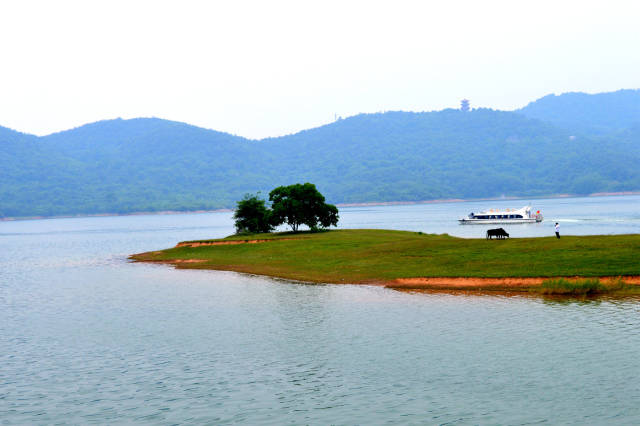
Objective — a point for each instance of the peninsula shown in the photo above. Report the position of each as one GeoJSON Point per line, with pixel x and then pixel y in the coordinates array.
{"type": "Point", "coordinates": [413, 260]}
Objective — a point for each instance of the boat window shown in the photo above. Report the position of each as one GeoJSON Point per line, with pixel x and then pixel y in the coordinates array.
{"type": "Point", "coordinates": [518, 216]}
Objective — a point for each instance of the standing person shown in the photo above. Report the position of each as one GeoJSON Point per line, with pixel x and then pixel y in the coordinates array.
{"type": "Point", "coordinates": [557, 230]}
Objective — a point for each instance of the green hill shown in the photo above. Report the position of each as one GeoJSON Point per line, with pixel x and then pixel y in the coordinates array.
{"type": "Point", "coordinates": [483, 153]}
{"type": "Point", "coordinates": [149, 164]}
{"type": "Point", "coordinates": [583, 113]}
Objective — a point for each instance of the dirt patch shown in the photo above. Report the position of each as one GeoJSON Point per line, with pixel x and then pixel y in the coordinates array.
{"type": "Point", "coordinates": [470, 283]}
{"type": "Point", "coordinates": [230, 242]}
{"type": "Point", "coordinates": [175, 262]}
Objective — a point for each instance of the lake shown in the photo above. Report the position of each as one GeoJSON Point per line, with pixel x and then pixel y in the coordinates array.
{"type": "Point", "coordinates": [87, 337]}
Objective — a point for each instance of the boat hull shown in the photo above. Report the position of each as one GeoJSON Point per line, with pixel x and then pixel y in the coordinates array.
{"type": "Point", "coordinates": [496, 221]}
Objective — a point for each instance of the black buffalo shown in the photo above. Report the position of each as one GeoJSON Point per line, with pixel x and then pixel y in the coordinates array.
{"type": "Point", "coordinates": [499, 233]}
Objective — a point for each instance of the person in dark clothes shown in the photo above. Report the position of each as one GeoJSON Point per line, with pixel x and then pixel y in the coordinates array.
{"type": "Point", "coordinates": [557, 230]}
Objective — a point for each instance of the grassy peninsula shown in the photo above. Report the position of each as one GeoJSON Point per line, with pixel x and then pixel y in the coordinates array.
{"type": "Point", "coordinates": [401, 259]}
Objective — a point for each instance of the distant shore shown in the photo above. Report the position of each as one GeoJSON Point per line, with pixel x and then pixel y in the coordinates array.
{"type": "Point", "coordinates": [162, 212]}
{"type": "Point", "coordinates": [466, 200]}
{"type": "Point", "coordinates": [363, 204]}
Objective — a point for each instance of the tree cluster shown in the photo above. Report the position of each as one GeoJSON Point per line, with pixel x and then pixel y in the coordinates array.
{"type": "Point", "coordinates": [295, 205]}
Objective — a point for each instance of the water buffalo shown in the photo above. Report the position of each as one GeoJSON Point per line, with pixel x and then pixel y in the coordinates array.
{"type": "Point", "coordinates": [499, 233]}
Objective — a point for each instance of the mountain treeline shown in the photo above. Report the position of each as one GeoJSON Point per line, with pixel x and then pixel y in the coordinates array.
{"type": "Point", "coordinates": [149, 164]}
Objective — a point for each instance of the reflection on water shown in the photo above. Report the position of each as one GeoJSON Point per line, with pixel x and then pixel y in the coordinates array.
{"type": "Point", "coordinates": [545, 298]}
{"type": "Point", "coordinates": [87, 337]}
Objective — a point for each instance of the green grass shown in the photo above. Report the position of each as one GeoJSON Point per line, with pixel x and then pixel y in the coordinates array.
{"type": "Point", "coordinates": [583, 287]}
{"type": "Point", "coordinates": [586, 287]}
{"type": "Point", "coordinates": [361, 255]}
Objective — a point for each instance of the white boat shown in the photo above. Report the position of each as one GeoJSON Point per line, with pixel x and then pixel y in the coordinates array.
{"type": "Point", "coordinates": [522, 215]}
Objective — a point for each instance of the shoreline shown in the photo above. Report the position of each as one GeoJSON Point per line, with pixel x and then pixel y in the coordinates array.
{"type": "Point", "coordinates": [78, 216]}
{"type": "Point", "coordinates": [475, 285]}
{"type": "Point", "coordinates": [492, 284]}
{"type": "Point", "coordinates": [363, 204]}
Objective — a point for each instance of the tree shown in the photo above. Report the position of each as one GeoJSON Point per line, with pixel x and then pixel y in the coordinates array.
{"type": "Point", "coordinates": [301, 204]}
{"type": "Point", "coordinates": [252, 215]}
{"type": "Point", "coordinates": [328, 216]}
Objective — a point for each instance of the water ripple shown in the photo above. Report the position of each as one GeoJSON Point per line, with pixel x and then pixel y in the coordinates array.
{"type": "Point", "coordinates": [87, 337]}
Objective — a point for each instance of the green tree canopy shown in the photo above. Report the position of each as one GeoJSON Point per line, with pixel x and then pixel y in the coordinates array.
{"type": "Point", "coordinates": [252, 215]}
{"type": "Point", "coordinates": [301, 204]}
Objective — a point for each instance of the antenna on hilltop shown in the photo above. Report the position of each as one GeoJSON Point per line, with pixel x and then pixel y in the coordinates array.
{"type": "Point", "coordinates": [464, 105]}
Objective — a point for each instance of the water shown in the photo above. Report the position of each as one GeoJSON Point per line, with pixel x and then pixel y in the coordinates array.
{"type": "Point", "coordinates": [86, 337]}
{"type": "Point", "coordinates": [576, 216]}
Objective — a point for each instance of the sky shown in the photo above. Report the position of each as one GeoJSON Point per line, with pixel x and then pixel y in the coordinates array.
{"type": "Point", "coordinates": [269, 68]}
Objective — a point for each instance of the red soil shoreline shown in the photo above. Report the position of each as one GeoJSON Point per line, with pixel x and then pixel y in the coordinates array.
{"type": "Point", "coordinates": [477, 283]}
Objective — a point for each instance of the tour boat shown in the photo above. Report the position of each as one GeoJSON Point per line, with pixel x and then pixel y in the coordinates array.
{"type": "Point", "coordinates": [522, 215]}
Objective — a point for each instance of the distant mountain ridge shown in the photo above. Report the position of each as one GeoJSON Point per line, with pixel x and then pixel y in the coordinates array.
{"type": "Point", "coordinates": [150, 164]}
{"type": "Point", "coordinates": [601, 113]}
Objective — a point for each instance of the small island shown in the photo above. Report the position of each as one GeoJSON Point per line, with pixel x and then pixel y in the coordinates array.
{"type": "Point", "coordinates": [573, 265]}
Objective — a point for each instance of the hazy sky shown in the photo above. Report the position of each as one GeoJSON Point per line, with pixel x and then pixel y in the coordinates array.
{"type": "Point", "coordinates": [266, 68]}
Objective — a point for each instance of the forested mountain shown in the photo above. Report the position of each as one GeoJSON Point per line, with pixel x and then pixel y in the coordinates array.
{"type": "Point", "coordinates": [582, 113]}
{"type": "Point", "coordinates": [121, 166]}
{"type": "Point", "coordinates": [124, 166]}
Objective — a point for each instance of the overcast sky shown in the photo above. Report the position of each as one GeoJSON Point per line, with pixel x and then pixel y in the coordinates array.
{"type": "Point", "coordinates": [267, 68]}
